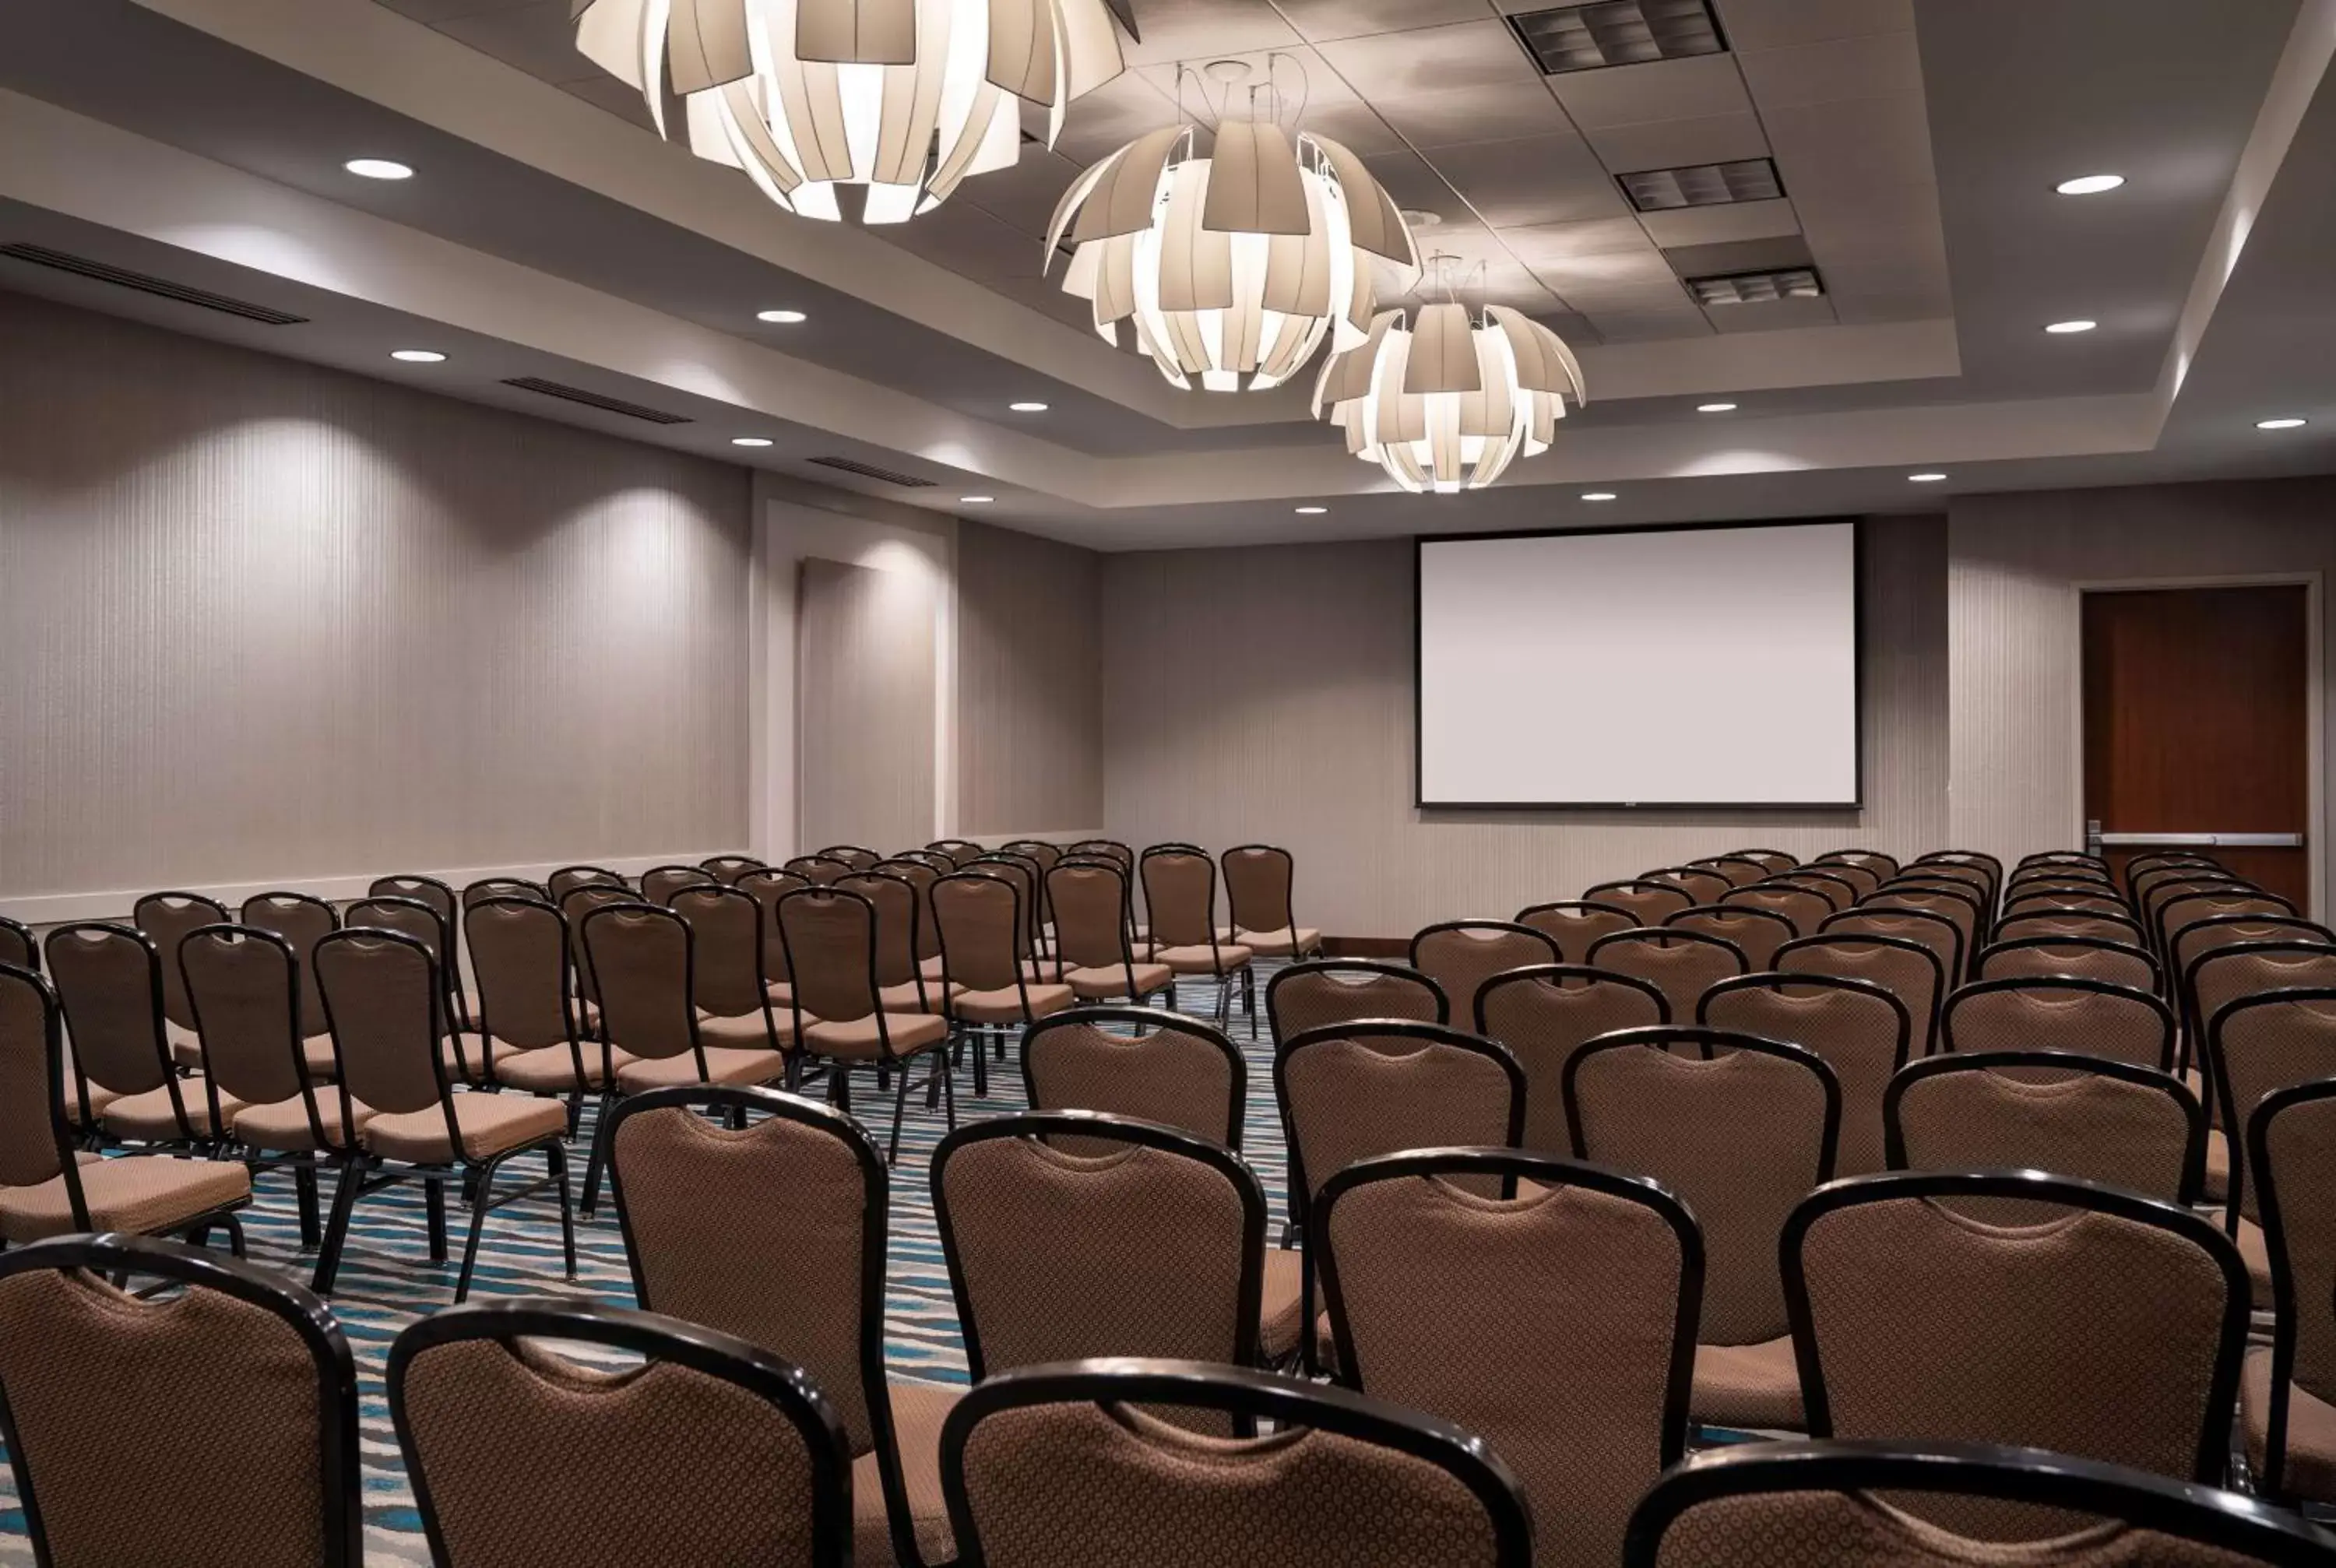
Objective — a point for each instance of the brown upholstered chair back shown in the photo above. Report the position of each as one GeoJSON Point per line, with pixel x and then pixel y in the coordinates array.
{"type": "Point", "coordinates": [109, 981]}
{"type": "Point", "coordinates": [2086, 957]}
{"type": "Point", "coordinates": [2090, 898]}
{"type": "Point", "coordinates": [1257, 888]}
{"type": "Point", "coordinates": [982, 931]}
{"type": "Point", "coordinates": [659, 884]}
{"type": "Point", "coordinates": [513, 888]}
{"type": "Point", "coordinates": [215, 1428]}
{"type": "Point", "coordinates": [304, 922]}
{"type": "Point", "coordinates": [1756, 933]}
{"type": "Point", "coordinates": [1907, 971]}
{"type": "Point", "coordinates": [775, 1233]}
{"type": "Point", "coordinates": [1575, 924]}
{"type": "Point", "coordinates": [960, 851]}
{"type": "Point", "coordinates": [2057, 1013]}
{"type": "Point", "coordinates": [832, 941]}
{"type": "Point", "coordinates": [1862, 1032]}
{"type": "Point", "coordinates": [1737, 869]}
{"type": "Point", "coordinates": [1942, 936]}
{"type": "Point", "coordinates": [17, 948]}
{"type": "Point", "coordinates": [858, 857]}
{"type": "Point", "coordinates": [1959, 908]}
{"type": "Point", "coordinates": [2291, 1143]}
{"type": "Point", "coordinates": [705, 1451]}
{"type": "Point", "coordinates": [568, 879]}
{"type": "Point", "coordinates": [1701, 885]}
{"type": "Point", "coordinates": [1739, 1137]}
{"type": "Point", "coordinates": [1067, 1466]}
{"type": "Point", "coordinates": [767, 887]}
{"type": "Point", "coordinates": [244, 985]}
{"type": "Point", "coordinates": [1877, 864]}
{"type": "Point", "coordinates": [1649, 903]}
{"type": "Point", "coordinates": [1325, 991]}
{"type": "Point", "coordinates": [2189, 947]}
{"type": "Point", "coordinates": [638, 956]}
{"type": "Point", "coordinates": [1770, 861]}
{"type": "Point", "coordinates": [408, 918]}
{"type": "Point", "coordinates": [1861, 877]}
{"type": "Point", "coordinates": [725, 948]}
{"type": "Point", "coordinates": [727, 868]}
{"type": "Point", "coordinates": [1143, 1241]}
{"type": "Point", "coordinates": [2099, 925]}
{"type": "Point", "coordinates": [1038, 850]}
{"type": "Point", "coordinates": [2221, 976]}
{"type": "Point", "coordinates": [1835, 887]}
{"type": "Point", "coordinates": [1179, 896]}
{"type": "Point", "coordinates": [920, 874]}
{"type": "Point", "coordinates": [521, 961]}
{"type": "Point", "coordinates": [819, 871]}
{"type": "Point", "coordinates": [2077, 1116]}
{"type": "Point", "coordinates": [894, 900]}
{"type": "Point", "coordinates": [1607, 1268]}
{"type": "Point", "coordinates": [574, 905]}
{"type": "Point", "coordinates": [1089, 898]}
{"type": "Point", "coordinates": [382, 1000]}
{"type": "Point", "coordinates": [1404, 1085]}
{"type": "Point", "coordinates": [33, 1135]}
{"type": "Point", "coordinates": [2262, 1044]}
{"type": "Point", "coordinates": [1460, 956]}
{"type": "Point", "coordinates": [1023, 876]}
{"type": "Point", "coordinates": [166, 919]}
{"type": "Point", "coordinates": [1682, 964]}
{"type": "Point", "coordinates": [1803, 908]}
{"type": "Point", "coordinates": [1546, 1013]}
{"type": "Point", "coordinates": [1136, 1062]}
{"type": "Point", "coordinates": [421, 890]}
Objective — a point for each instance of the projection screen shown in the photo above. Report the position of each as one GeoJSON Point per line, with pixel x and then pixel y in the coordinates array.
{"type": "Point", "coordinates": [1678, 667]}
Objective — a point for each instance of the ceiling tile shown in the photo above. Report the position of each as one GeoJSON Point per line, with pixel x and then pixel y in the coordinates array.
{"type": "Point", "coordinates": [1769, 314]}
{"type": "Point", "coordinates": [1717, 225]}
{"type": "Point", "coordinates": [1637, 326]}
{"type": "Point", "coordinates": [1878, 66]}
{"type": "Point", "coordinates": [1699, 88]}
{"type": "Point", "coordinates": [436, 11]}
{"type": "Point", "coordinates": [1301, 73]}
{"type": "Point", "coordinates": [1023, 196]}
{"type": "Point", "coordinates": [1411, 184]}
{"type": "Point", "coordinates": [616, 97]}
{"type": "Point", "coordinates": [1774, 24]}
{"type": "Point", "coordinates": [1740, 256]}
{"type": "Point", "coordinates": [1570, 325]}
{"type": "Point", "coordinates": [967, 240]}
{"type": "Point", "coordinates": [1319, 20]}
{"type": "Point", "coordinates": [1204, 30]}
{"type": "Point", "coordinates": [1537, 180]}
{"type": "Point", "coordinates": [1112, 116]}
{"type": "Point", "coordinates": [1497, 113]}
{"type": "Point", "coordinates": [1671, 144]}
{"type": "Point", "coordinates": [537, 39]}
{"type": "Point", "coordinates": [1560, 241]}
{"type": "Point", "coordinates": [1468, 55]}
{"type": "Point", "coordinates": [1355, 125]}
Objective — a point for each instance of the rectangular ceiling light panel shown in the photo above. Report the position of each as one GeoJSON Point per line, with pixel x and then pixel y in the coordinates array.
{"type": "Point", "coordinates": [1752, 287]}
{"type": "Point", "coordinates": [1618, 32]}
{"type": "Point", "coordinates": [1702, 185]}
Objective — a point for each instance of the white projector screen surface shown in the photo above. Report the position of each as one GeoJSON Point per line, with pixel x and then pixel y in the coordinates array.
{"type": "Point", "coordinates": [1680, 667]}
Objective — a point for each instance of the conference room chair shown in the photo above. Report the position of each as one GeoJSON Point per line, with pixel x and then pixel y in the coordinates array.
{"type": "Point", "coordinates": [1877, 864]}
{"type": "Point", "coordinates": [2146, 872]}
{"type": "Point", "coordinates": [1836, 887]}
{"type": "Point", "coordinates": [1258, 884]}
{"type": "Point", "coordinates": [521, 888]}
{"type": "Point", "coordinates": [1546, 1012]}
{"type": "Point", "coordinates": [2287, 1393]}
{"type": "Point", "coordinates": [1958, 904]}
{"type": "Point", "coordinates": [381, 994]}
{"type": "Point", "coordinates": [1824, 1504]}
{"type": "Point", "coordinates": [2176, 915]}
{"type": "Point", "coordinates": [833, 951]}
{"type": "Point", "coordinates": [49, 1186]}
{"type": "Point", "coordinates": [1682, 964]}
{"type": "Point", "coordinates": [128, 1089]}
{"type": "Point", "coordinates": [857, 856]}
{"type": "Point", "coordinates": [1756, 933]}
{"type": "Point", "coordinates": [2233, 894]}
{"type": "Point", "coordinates": [1316, 992]}
{"type": "Point", "coordinates": [2083, 1117]}
{"type": "Point", "coordinates": [1350, 1091]}
{"type": "Point", "coordinates": [2090, 875]}
{"type": "Point", "coordinates": [1971, 881]}
{"type": "Point", "coordinates": [442, 899]}
{"type": "Point", "coordinates": [2223, 975]}
{"type": "Point", "coordinates": [1646, 903]}
{"type": "Point", "coordinates": [1863, 1033]}
{"type": "Point", "coordinates": [523, 959]}
{"type": "Point", "coordinates": [2150, 888]}
{"type": "Point", "coordinates": [18, 950]}
{"type": "Point", "coordinates": [986, 973]}
{"type": "Point", "coordinates": [766, 886]}
{"type": "Point", "coordinates": [2083, 957]}
{"type": "Point", "coordinates": [2091, 1320]}
{"type": "Point", "coordinates": [921, 872]}
{"type": "Point", "coordinates": [2260, 1045]}
{"type": "Point", "coordinates": [1095, 945]}
{"type": "Point", "coordinates": [1740, 1135]}
{"type": "Point", "coordinates": [1560, 1327]}
{"type": "Point", "coordinates": [958, 850]}
{"type": "Point", "coordinates": [941, 865]}
{"type": "Point", "coordinates": [1574, 923]}
{"type": "Point", "coordinates": [1038, 911]}
{"type": "Point", "coordinates": [1077, 1463]}
{"type": "Point", "coordinates": [1180, 899]}
{"type": "Point", "coordinates": [2061, 1013]}
{"type": "Point", "coordinates": [1906, 970]}
{"type": "Point", "coordinates": [2194, 941]}
{"type": "Point", "coordinates": [1804, 910]}
{"type": "Point", "coordinates": [568, 879]}
{"type": "Point", "coordinates": [776, 1233]}
{"type": "Point", "coordinates": [1862, 876]}
{"type": "Point", "coordinates": [1770, 861]}
{"type": "Point", "coordinates": [727, 868]}
{"type": "Point", "coordinates": [1460, 956]}
{"type": "Point", "coordinates": [726, 988]}
{"type": "Point", "coordinates": [1737, 869]}
{"type": "Point", "coordinates": [1962, 862]}
{"type": "Point", "coordinates": [574, 905]}
{"type": "Point", "coordinates": [819, 871]}
{"type": "Point", "coordinates": [2047, 898]}
{"type": "Point", "coordinates": [1925, 927]}
{"type": "Point", "coordinates": [1700, 885]}
{"type": "Point", "coordinates": [1134, 1062]}
{"type": "Point", "coordinates": [215, 1428]}
{"type": "Point", "coordinates": [166, 919]}
{"type": "Point", "coordinates": [659, 884]}
{"type": "Point", "coordinates": [466, 1050]}
{"type": "Point", "coordinates": [2082, 858]}
{"type": "Point", "coordinates": [900, 985]}
{"type": "Point", "coordinates": [705, 1451]}
{"type": "Point", "coordinates": [2097, 924]}
{"type": "Point", "coordinates": [303, 920]}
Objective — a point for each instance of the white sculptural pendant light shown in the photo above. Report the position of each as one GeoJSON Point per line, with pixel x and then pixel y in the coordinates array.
{"type": "Point", "coordinates": [1448, 401]}
{"type": "Point", "coordinates": [905, 97]}
{"type": "Point", "coordinates": [1232, 267]}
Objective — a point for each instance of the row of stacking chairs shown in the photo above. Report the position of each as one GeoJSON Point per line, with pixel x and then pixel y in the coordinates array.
{"type": "Point", "coordinates": [710, 1450]}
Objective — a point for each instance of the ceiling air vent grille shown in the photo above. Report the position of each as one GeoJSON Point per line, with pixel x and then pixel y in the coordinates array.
{"type": "Point", "coordinates": [1757, 288]}
{"type": "Point", "coordinates": [595, 400]}
{"type": "Point", "coordinates": [869, 470]}
{"type": "Point", "coordinates": [1618, 32]}
{"type": "Point", "coordinates": [1702, 185]}
{"type": "Point", "coordinates": [120, 277]}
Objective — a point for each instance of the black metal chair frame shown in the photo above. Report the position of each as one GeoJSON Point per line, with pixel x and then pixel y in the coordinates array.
{"type": "Point", "coordinates": [2066, 984]}
{"type": "Point", "coordinates": [1561, 973]}
{"type": "Point", "coordinates": [576, 1035]}
{"type": "Point", "coordinates": [412, 885]}
{"type": "Point", "coordinates": [1850, 985]}
{"type": "Point", "coordinates": [1025, 958]}
{"type": "Point", "coordinates": [1809, 876]}
{"type": "Point", "coordinates": [839, 1069]}
{"type": "Point", "coordinates": [1996, 937]}
{"type": "Point", "coordinates": [1635, 885]}
{"type": "Point", "coordinates": [2219, 1080]}
{"type": "Point", "coordinates": [1662, 1036]}
{"type": "Point", "coordinates": [1224, 977]}
{"type": "Point", "coordinates": [1572, 905]}
{"type": "Point", "coordinates": [1752, 913]}
{"type": "Point", "coordinates": [2094, 944]}
{"type": "Point", "coordinates": [1947, 980]}
{"type": "Point", "coordinates": [2284, 1305]}
{"type": "Point", "coordinates": [1893, 944]}
{"type": "Point", "coordinates": [1467, 1005]}
{"type": "Point", "coordinates": [581, 876]}
{"type": "Point", "coordinates": [727, 868]}
{"type": "Point", "coordinates": [850, 854]}
{"type": "Point", "coordinates": [19, 937]}
{"type": "Point", "coordinates": [1383, 968]}
{"type": "Point", "coordinates": [93, 1135]}
{"type": "Point", "coordinates": [1073, 861]}
{"type": "Point", "coordinates": [1662, 936]}
{"type": "Point", "coordinates": [521, 888]}
{"type": "Point", "coordinates": [449, 968]}
{"type": "Point", "coordinates": [1145, 1022]}
{"type": "Point", "coordinates": [1857, 857]}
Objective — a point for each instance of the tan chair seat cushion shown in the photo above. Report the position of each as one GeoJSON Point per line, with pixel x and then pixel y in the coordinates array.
{"type": "Point", "coordinates": [552, 1069]}
{"type": "Point", "coordinates": [98, 1100]}
{"type": "Point", "coordinates": [918, 1411]}
{"type": "Point", "coordinates": [2309, 1470]}
{"type": "Point", "coordinates": [489, 1123]}
{"type": "Point", "coordinates": [906, 998]}
{"type": "Point", "coordinates": [861, 1040]}
{"type": "Point", "coordinates": [282, 1127]}
{"type": "Point", "coordinates": [1224, 959]}
{"type": "Point", "coordinates": [186, 1051]}
{"type": "Point", "coordinates": [1005, 1007]}
{"type": "Point", "coordinates": [1282, 1303]}
{"type": "Point", "coordinates": [932, 968]}
{"type": "Point", "coordinates": [463, 1058]}
{"type": "Point", "coordinates": [2219, 1166]}
{"type": "Point", "coordinates": [137, 1193]}
{"type": "Point", "coordinates": [783, 993]}
{"type": "Point", "coordinates": [746, 1032]}
{"type": "Point", "coordinates": [148, 1117]}
{"type": "Point", "coordinates": [2254, 1247]}
{"type": "Point", "coordinates": [186, 1046]}
{"type": "Point", "coordinates": [723, 1064]}
{"type": "Point", "coordinates": [1276, 944]}
{"type": "Point", "coordinates": [1755, 1386]}
{"type": "Point", "coordinates": [1111, 981]}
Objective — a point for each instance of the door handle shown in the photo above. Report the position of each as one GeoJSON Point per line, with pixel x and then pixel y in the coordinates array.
{"type": "Point", "coordinates": [2202, 841]}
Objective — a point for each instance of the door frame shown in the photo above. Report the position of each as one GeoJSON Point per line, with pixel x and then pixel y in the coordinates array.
{"type": "Point", "coordinates": [2316, 843]}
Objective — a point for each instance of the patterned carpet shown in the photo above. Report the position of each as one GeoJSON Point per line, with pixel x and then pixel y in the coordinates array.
{"type": "Point", "coordinates": [387, 1281]}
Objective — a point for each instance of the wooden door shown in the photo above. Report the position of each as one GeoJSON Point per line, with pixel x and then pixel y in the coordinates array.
{"type": "Point", "coordinates": [2197, 721]}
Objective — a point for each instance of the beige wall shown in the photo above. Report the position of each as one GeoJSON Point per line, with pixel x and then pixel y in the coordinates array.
{"type": "Point", "coordinates": [864, 704]}
{"type": "Point", "coordinates": [265, 623]}
{"type": "Point", "coordinates": [1266, 695]}
{"type": "Point", "coordinates": [1029, 685]}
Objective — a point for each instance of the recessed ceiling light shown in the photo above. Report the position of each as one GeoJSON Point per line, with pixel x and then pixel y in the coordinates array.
{"type": "Point", "coordinates": [1714, 408]}
{"type": "Point", "coordinates": [1027, 407]}
{"type": "Point", "coordinates": [1925, 478]}
{"type": "Point", "coordinates": [418, 355]}
{"type": "Point", "coordinates": [378, 168]}
{"type": "Point", "coordinates": [781, 317]}
{"type": "Point", "coordinates": [974, 499]}
{"type": "Point", "coordinates": [1312, 510]}
{"type": "Point", "coordinates": [2289, 422]}
{"type": "Point", "coordinates": [750, 441]}
{"type": "Point", "coordinates": [2089, 184]}
{"type": "Point", "coordinates": [2063, 329]}
{"type": "Point", "coordinates": [1597, 495]}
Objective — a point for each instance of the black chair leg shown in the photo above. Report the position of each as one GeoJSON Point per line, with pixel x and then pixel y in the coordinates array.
{"type": "Point", "coordinates": [304, 1188]}
{"type": "Point", "coordinates": [949, 1087]}
{"type": "Point", "coordinates": [900, 1109]}
{"type": "Point", "coordinates": [336, 1228]}
{"type": "Point", "coordinates": [556, 1157]}
{"type": "Point", "coordinates": [482, 1198]}
{"type": "Point", "coordinates": [434, 1201]}
{"type": "Point", "coordinates": [234, 1228]}
{"type": "Point", "coordinates": [597, 1160]}
{"type": "Point", "coordinates": [980, 1063]}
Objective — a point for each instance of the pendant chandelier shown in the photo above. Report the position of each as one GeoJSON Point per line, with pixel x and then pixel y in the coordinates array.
{"type": "Point", "coordinates": [905, 97]}
{"type": "Point", "coordinates": [1448, 401]}
{"type": "Point", "coordinates": [1232, 266]}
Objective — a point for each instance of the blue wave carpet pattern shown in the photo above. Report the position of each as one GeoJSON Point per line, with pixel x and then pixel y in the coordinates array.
{"type": "Point", "coordinates": [387, 1281]}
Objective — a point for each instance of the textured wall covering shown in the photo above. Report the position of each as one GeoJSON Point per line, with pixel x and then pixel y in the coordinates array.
{"type": "Point", "coordinates": [263, 621]}
{"type": "Point", "coordinates": [864, 704]}
{"type": "Point", "coordinates": [2014, 625]}
{"type": "Point", "coordinates": [1029, 684]}
{"type": "Point", "coordinates": [1266, 695]}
